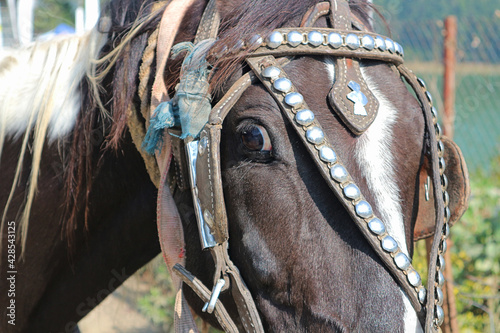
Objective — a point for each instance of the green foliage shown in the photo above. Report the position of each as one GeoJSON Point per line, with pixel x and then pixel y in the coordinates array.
{"type": "Point", "coordinates": [476, 256]}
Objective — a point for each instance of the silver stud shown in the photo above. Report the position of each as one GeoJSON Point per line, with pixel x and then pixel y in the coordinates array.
{"type": "Point", "coordinates": [444, 182]}
{"type": "Point", "coordinates": [439, 315]}
{"type": "Point", "coordinates": [380, 43]}
{"type": "Point", "coordinates": [414, 278]}
{"type": "Point", "coordinates": [338, 173]}
{"type": "Point", "coordinates": [376, 226]}
{"type": "Point", "coordinates": [422, 83]}
{"type": "Point", "coordinates": [304, 117]}
{"type": "Point", "coordinates": [283, 84]}
{"type": "Point", "coordinates": [446, 231]}
{"type": "Point", "coordinates": [255, 41]}
{"type": "Point", "coordinates": [315, 38]}
{"type": "Point", "coordinates": [397, 48]}
{"type": "Point", "coordinates": [439, 296]}
{"type": "Point", "coordinates": [440, 278]}
{"type": "Point", "coordinates": [271, 72]}
{"type": "Point", "coordinates": [422, 294]}
{"type": "Point", "coordinates": [240, 44]}
{"type": "Point", "coordinates": [441, 263]}
{"type": "Point", "coordinates": [294, 38]}
{"type": "Point", "coordinates": [352, 191]}
{"type": "Point", "coordinates": [442, 165]}
{"type": "Point", "coordinates": [434, 114]}
{"type": "Point", "coordinates": [401, 260]}
{"type": "Point", "coordinates": [444, 246]}
{"type": "Point", "coordinates": [447, 215]}
{"type": "Point", "coordinates": [326, 154]}
{"type": "Point", "coordinates": [275, 39]}
{"type": "Point", "coordinates": [429, 96]}
{"type": "Point", "coordinates": [389, 244]}
{"type": "Point", "coordinates": [439, 131]}
{"type": "Point", "coordinates": [446, 198]}
{"type": "Point", "coordinates": [315, 135]}
{"type": "Point", "coordinates": [335, 40]}
{"type": "Point", "coordinates": [294, 99]}
{"type": "Point", "coordinates": [389, 44]}
{"type": "Point", "coordinates": [352, 41]}
{"type": "Point", "coordinates": [368, 42]}
{"type": "Point", "coordinates": [440, 148]}
{"type": "Point", "coordinates": [363, 209]}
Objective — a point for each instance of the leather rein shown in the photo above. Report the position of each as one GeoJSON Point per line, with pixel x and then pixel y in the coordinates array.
{"type": "Point", "coordinates": [198, 158]}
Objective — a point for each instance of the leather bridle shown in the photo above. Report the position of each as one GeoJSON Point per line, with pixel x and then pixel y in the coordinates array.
{"type": "Point", "coordinates": [348, 41]}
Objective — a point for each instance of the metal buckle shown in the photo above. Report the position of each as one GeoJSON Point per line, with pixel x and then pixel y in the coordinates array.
{"type": "Point", "coordinates": [210, 305]}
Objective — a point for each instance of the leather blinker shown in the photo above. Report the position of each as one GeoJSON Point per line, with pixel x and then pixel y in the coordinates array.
{"type": "Point", "coordinates": [458, 190]}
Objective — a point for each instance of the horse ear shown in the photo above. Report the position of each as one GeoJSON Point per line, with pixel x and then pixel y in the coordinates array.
{"type": "Point", "coordinates": [458, 190]}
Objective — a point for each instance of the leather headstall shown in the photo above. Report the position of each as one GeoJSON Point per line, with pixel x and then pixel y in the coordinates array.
{"type": "Point", "coordinates": [444, 174]}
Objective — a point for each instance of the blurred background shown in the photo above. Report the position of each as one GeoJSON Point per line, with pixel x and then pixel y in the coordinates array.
{"type": "Point", "coordinates": [419, 26]}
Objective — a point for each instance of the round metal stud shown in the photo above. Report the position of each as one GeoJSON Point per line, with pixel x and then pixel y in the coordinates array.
{"type": "Point", "coordinates": [389, 44]}
{"type": "Point", "coordinates": [442, 165]}
{"type": "Point", "coordinates": [446, 198]}
{"type": "Point", "coordinates": [304, 117]}
{"type": "Point", "coordinates": [315, 38]}
{"type": "Point", "coordinates": [315, 135]}
{"type": "Point", "coordinates": [352, 41]}
{"type": "Point", "coordinates": [389, 244]}
{"type": "Point", "coordinates": [439, 313]}
{"type": "Point", "coordinates": [439, 296]}
{"type": "Point", "coordinates": [376, 226]}
{"type": "Point", "coordinates": [335, 40]}
{"type": "Point", "coordinates": [352, 191]}
{"type": "Point", "coordinates": [402, 261]}
{"type": "Point", "coordinates": [439, 131]}
{"type": "Point", "coordinates": [327, 154]}
{"type": "Point", "coordinates": [446, 231]}
{"type": "Point", "coordinates": [440, 148]}
{"type": "Point", "coordinates": [368, 42]}
{"type": "Point", "coordinates": [294, 99]}
{"type": "Point", "coordinates": [380, 43]}
{"type": "Point", "coordinates": [338, 173]}
{"type": "Point", "coordinates": [414, 278]}
{"type": "Point", "coordinates": [444, 246]}
{"type": "Point", "coordinates": [294, 38]}
{"type": "Point", "coordinates": [240, 44]}
{"type": "Point", "coordinates": [429, 96]}
{"type": "Point", "coordinates": [444, 182]}
{"type": "Point", "coordinates": [422, 294]}
{"type": "Point", "coordinates": [440, 279]}
{"type": "Point", "coordinates": [363, 209]}
{"type": "Point", "coordinates": [271, 72]}
{"type": "Point", "coordinates": [282, 84]}
{"type": "Point", "coordinates": [421, 82]}
{"type": "Point", "coordinates": [398, 48]}
{"type": "Point", "coordinates": [447, 215]}
{"type": "Point", "coordinates": [274, 40]}
{"type": "Point", "coordinates": [255, 41]}
{"type": "Point", "coordinates": [441, 263]}
{"type": "Point", "coordinates": [434, 114]}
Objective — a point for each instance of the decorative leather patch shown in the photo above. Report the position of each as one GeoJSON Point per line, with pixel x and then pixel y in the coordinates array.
{"type": "Point", "coordinates": [351, 98]}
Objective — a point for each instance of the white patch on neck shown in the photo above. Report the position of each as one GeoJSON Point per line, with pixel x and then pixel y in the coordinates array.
{"type": "Point", "coordinates": [44, 78]}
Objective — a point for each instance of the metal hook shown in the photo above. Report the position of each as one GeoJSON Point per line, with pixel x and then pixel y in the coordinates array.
{"type": "Point", "coordinates": [210, 305]}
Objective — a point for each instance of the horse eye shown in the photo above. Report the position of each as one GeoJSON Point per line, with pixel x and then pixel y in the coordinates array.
{"type": "Point", "coordinates": [255, 138]}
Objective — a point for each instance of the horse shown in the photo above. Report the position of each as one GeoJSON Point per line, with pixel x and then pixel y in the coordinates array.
{"type": "Point", "coordinates": [294, 186]}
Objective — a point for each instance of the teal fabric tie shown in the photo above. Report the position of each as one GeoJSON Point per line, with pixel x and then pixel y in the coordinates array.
{"type": "Point", "coordinates": [190, 108]}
